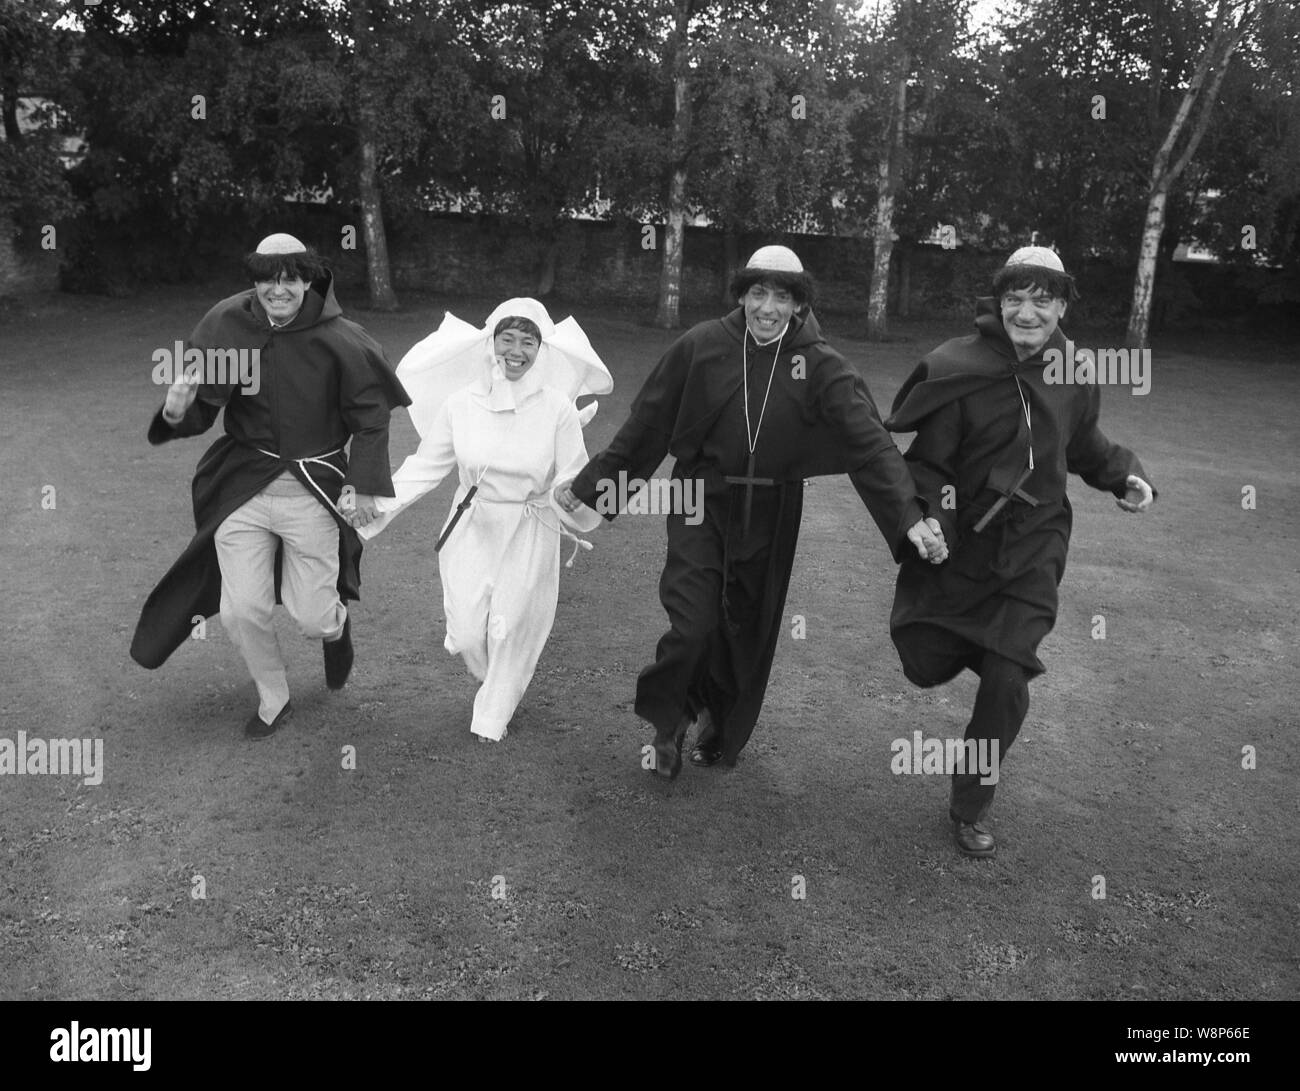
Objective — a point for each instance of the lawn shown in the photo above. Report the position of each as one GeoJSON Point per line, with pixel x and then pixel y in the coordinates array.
{"type": "Point", "coordinates": [553, 865]}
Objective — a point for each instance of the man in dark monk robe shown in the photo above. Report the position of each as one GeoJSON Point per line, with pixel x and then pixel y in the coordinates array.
{"type": "Point", "coordinates": [996, 436]}
{"type": "Point", "coordinates": [272, 514]}
{"type": "Point", "coordinates": [749, 406]}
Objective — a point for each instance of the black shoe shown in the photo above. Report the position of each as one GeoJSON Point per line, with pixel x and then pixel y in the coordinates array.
{"type": "Point", "coordinates": [705, 755]}
{"type": "Point", "coordinates": [258, 728]}
{"type": "Point", "coordinates": [973, 838]}
{"type": "Point", "coordinates": [708, 743]}
{"type": "Point", "coordinates": [668, 749]}
{"type": "Point", "coordinates": [338, 657]}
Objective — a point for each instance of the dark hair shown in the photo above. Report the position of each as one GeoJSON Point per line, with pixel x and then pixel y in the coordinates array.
{"type": "Point", "coordinates": [306, 264]}
{"type": "Point", "coordinates": [1015, 278]}
{"type": "Point", "coordinates": [800, 285]}
{"type": "Point", "coordinates": [517, 322]}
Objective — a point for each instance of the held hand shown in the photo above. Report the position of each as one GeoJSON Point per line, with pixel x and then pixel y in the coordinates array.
{"type": "Point", "coordinates": [1138, 497]}
{"type": "Point", "coordinates": [927, 536]}
{"type": "Point", "coordinates": [180, 396]}
{"type": "Point", "coordinates": [359, 510]}
{"type": "Point", "coordinates": [564, 497]}
{"type": "Point", "coordinates": [935, 526]}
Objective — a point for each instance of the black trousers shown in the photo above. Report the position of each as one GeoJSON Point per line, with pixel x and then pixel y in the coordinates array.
{"type": "Point", "coordinates": [931, 656]}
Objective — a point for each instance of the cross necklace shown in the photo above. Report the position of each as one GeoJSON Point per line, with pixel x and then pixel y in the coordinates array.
{"type": "Point", "coordinates": [751, 436]}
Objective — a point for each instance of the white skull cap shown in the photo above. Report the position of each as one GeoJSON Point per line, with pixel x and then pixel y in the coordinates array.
{"type": "Point", "coordinates": [280, 243]}
{"type": "Point", "coordinates": [775, 259]}
{"type": "Point", "coordinates": [1037, 255]}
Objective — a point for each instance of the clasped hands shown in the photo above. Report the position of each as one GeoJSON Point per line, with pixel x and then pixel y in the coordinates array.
{"type": "Point", "coordinates": [356, 509]}
{"type": "Point", "coordinates": [563, 496]}
{"type": "Point", "coordinates": [927, 536]}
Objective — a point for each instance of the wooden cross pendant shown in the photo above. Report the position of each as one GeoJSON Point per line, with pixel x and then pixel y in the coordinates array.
{"type": "Point", "coordinates": [1002, 501]}
{"type": "Point", "coordinates": [749, 482]}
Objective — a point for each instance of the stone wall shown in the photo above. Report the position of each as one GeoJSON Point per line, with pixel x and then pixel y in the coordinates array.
{"type": "Point", "coordinates": [615, 264]}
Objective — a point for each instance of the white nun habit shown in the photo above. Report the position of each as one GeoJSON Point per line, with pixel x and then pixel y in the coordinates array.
{"type": "Point", "coordinates": [500, 565]}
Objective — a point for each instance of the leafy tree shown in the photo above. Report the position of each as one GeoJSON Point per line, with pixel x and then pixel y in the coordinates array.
{"type": "Point", "coordinates": [770, 140]}
{"type": "Point", "coordinates": [295, 98]}
{"type": "Point", "coordinates": [1136, 126]}
{"type": "Point", "coordinates": [33, 189]}
{"type": "Point", "coordinates": [697, 104]}
{"type": "Point", "coordinates": [543, 93]}
{"type": "Point", "coordinates": [909, 56]}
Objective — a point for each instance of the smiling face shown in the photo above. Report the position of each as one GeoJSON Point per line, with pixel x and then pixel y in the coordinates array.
{"type": "Point", "coordinates": [1030, 317]}
{"type": "Point", "coordinates": [767, 310]}
{"type": "Point", "coordinates": [516, 351]}
{"type": "Point", "coordinates": [282, 297]}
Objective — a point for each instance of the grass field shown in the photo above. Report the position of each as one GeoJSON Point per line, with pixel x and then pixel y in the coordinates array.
{"type": "Point", "coordinates": [321, 881]}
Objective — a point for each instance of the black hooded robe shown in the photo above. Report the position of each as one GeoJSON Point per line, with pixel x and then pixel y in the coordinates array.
{"type": "Point", "coordinates": [998, 591]}
{"type": "Point", "coordinates": [323, 380]}
{"type": "Point", "coordinates": [724, 590]}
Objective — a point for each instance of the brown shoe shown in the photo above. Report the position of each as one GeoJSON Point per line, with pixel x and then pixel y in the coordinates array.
{"type": "Point", "coordinates": [973, 838]}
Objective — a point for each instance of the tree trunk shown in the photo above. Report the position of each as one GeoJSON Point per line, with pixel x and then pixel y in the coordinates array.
{"type": "Point", "coordinates": [904, 281]}
{"type": "Point", "coordinates": [9, 89]}
{"type": "Point", "coordinates": [730, 263]}
{"type": "Point", "coordinates": [546, 272]}
{"type": "Point", "coordinates": [1144, 284]}
{"type": "Point", "coordinates": [890, 165]}
{"type": "Point", "coordinates": [378, 273]}
{"type": "Point", "coordinates": [1212, 66]}
{"type": "Point", "coordinates": [670, 272]}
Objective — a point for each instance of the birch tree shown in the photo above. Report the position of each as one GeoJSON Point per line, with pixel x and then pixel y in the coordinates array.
{"type": "Point", "coordinates": [379, 278]}
{"type": "Point", "coordinates": [888, 174]}
{"type": "Point", "coordinates": [921, 46]}
{"type": "Point", "coordinates": [1231, 21]}
{"type": "Point", "coordinates": [670, 271]}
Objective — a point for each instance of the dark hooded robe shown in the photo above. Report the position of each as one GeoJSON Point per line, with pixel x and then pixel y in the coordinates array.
{"type": "Point", "coordinates": [724, 588]}
{"type": "Point", "coordinates": [998, 590]}
{"type": "Point", "coordinates": [323, 381]}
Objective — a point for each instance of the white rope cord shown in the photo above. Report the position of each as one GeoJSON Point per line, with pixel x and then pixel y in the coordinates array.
{"type": "Point", "coordinates": [1024, 402]}
{"type": "Point", "coordinates": [320, 461]}
{"type": "Point", "coordinates": [538, 508]}
{"type": "Point", "coordinates": [752, 437]}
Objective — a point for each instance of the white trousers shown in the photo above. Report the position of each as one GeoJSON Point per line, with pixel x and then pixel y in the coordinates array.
{"type": "Point", "coordinates": [246, 542]}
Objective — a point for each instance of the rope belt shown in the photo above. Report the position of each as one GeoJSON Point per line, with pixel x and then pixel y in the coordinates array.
{"type": "Point", "coordinates": [538, 507]}
{"type": "Point", "coordinates": [318, 460]}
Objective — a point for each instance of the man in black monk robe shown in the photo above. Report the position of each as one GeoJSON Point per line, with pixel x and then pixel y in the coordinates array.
{"type": "Point", "coordinates": [997, 437]}
{"type": "Point", "coordinates": [749, 406]}
{"type": "Point", "coordinates": [272, 517]}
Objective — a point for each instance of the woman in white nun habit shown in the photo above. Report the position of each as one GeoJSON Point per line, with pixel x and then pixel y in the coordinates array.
{"type": "Point", "coordinates": [496, 406]}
